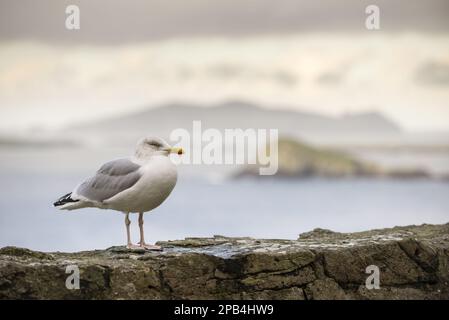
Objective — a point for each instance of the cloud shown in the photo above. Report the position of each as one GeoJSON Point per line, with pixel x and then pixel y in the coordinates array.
{"type": "Point", "coordinates": [235, 72]}
{"type": "Point", "coordinates": [320, 72]}
{"type": "Point", "coordinates": [119, 21]}
{"type": "Point", "coordinates": [433, 73]}
{"type": "Point", "coordinates": [330, 78]}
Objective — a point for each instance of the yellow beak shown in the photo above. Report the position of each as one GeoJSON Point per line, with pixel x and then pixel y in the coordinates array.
{"type": "Point", "coordinates": [177, 150]}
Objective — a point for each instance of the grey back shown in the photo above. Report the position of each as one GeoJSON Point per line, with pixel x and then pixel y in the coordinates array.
{"type": "Point", "coordinates": [112, 178]}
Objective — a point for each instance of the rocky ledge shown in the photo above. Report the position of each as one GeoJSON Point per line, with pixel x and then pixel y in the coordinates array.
{"type": "Point", "coordinates": [413, 263]}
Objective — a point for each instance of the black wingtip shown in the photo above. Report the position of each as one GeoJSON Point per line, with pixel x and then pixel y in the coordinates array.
{"type": "Point", "coordinates": [64, 199]}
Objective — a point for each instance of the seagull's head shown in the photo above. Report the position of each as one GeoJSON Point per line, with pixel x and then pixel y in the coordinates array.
{"type": "Point", "coordinates": [153, 146]}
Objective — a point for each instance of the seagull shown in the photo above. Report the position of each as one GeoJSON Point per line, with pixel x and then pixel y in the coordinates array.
{"type": "Point", "coordinates": [136, 184]}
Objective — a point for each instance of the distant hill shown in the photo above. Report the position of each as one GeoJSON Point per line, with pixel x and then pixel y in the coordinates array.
{"type": "Point", "coordinates": [354, 128]}
{"type": "Point", "coordinates": [299, 160]}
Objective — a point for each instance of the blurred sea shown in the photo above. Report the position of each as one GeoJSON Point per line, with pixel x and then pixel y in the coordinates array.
{"type": "Point", "coordinates": [200, 205]}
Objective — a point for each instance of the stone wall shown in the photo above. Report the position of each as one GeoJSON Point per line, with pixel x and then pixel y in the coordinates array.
{"type": "Point", "coordinates": [413, 263]}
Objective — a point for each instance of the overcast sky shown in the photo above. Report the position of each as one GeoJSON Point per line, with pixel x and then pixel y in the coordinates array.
{"type": "Point", "coordinates": [118, 21]}
{"type": "Point", "coordinates": [314, 56]}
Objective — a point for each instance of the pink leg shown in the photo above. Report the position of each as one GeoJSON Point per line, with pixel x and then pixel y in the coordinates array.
{"type": "Point", "coordinates": [142, 238]}
{"type": "Point", "coordinates": [129, 244]}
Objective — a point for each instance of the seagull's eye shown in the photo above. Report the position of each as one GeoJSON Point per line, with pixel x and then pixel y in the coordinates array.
{"type": "Point", "coordinates": [155, 144]}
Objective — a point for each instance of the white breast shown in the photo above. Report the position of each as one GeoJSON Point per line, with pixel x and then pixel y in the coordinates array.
{"type": "Point", "coordinates": [158, 180]}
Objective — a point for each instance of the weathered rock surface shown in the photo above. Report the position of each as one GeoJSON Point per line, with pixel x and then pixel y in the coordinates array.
{"type": "Point", "coordinates": [413, 263]}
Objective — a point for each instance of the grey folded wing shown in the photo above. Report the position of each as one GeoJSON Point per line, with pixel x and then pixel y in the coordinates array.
{"type": "Point", "coordinates": [112, 178]}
